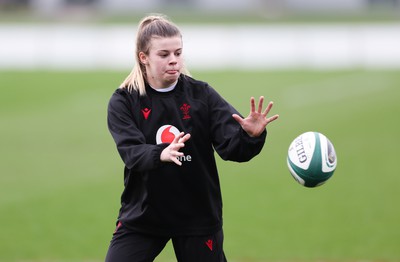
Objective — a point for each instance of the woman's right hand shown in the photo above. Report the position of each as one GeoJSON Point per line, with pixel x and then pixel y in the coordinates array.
{"type": "Point", "coordinates": [171, 153]}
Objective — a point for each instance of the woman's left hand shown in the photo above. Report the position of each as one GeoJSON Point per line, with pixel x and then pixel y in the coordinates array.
{"type": "Point", "coordinates": [254, 124]}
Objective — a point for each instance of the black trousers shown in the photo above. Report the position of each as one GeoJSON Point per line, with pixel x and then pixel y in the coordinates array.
{"type": "Point", "coordinates": [129, 246]}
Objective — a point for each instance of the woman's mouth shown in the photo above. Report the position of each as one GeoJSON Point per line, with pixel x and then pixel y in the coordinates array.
{"type": "Point", "coordinates": [172, 72]}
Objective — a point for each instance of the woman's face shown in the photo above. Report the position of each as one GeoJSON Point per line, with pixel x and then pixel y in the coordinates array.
{"type": "Point", "coordinates": [163, 62]}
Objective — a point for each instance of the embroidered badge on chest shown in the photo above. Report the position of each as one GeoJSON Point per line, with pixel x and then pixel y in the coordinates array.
{"type": "Point", "coordinates": [185, 111]}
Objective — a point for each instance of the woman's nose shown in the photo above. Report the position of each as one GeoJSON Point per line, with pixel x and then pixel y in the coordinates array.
{"type": "Point", "coordinates": [173, 60]}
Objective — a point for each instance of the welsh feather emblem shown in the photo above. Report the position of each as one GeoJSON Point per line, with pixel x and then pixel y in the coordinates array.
{"type": "Point", "coordinates": [185, 111]}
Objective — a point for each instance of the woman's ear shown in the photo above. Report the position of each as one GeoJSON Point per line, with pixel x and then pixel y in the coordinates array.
{"type": "Point", "coordinates": [143, 58]}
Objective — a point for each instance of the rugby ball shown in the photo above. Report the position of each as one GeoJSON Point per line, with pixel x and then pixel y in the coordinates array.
{"type": "Point", "coordinates": [311, 159]}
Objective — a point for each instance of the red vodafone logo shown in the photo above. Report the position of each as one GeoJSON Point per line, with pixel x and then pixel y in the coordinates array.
{"type": "Point", "coordinates": [166, 134]}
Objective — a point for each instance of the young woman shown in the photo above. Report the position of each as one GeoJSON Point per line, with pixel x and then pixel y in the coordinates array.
{"type": "Point", "coordinates": [166, 126]}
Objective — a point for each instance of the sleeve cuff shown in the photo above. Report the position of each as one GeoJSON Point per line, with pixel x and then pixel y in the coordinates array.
{"type": "Point", "coordinates": [157, 153]}
{"type": "Point", "coordinates": [253, 140]}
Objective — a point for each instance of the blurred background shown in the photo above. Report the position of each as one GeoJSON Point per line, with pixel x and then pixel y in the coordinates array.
{"type": "Point", "coordinates": [329, 66]}
{"type": "Point", "coordinates": [263, 8]}
{"type": "Point", "coordinates": [286, 34]}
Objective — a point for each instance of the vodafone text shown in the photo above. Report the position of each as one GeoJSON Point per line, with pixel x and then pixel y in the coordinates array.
{"type": "Point", "coordinates": [187, 158]}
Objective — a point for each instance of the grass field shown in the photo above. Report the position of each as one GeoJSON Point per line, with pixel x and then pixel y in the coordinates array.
{"type": "Point", "coordinates": [61, 177]}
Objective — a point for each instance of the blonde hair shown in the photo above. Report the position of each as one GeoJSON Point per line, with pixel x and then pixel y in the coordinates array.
{"type": "Point", "coordinates": [150, 26]}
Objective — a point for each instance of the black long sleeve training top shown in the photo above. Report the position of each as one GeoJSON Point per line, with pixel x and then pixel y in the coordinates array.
{"type": "Point", "coordinates": [163, 198]}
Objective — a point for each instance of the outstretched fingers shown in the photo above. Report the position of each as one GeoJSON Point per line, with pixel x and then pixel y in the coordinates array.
{"type": "Point", "coordinates": [266, 112]}
{"type": "Point", "coordinates": [184, 138]}
{"type": "Point", "coordinates": [260, 104]}
{"type": "Point", "coordinates": [171, 153]}
{"type": "Point", "coordinates": [269, 106]}
{"type": "Point", "coordinates": [272, 118]}
{"type": "Point", "coordinates": [253, 104]}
